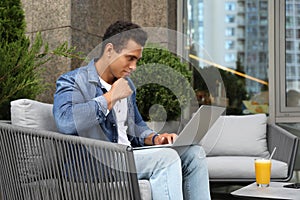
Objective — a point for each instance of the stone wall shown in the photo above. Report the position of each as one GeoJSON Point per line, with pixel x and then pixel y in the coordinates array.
{"type": "Point", "coordinates": [52, 19]}
{"type": "Point", "coordinates": [90, 18]}
{"type": "Point", "coordinates": [161, 16]}
{"type": "Point", "coordinates": [155, 13]}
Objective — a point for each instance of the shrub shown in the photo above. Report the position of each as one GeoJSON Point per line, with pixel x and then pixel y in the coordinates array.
{"type": "Point", "coordinates": [161, 79]}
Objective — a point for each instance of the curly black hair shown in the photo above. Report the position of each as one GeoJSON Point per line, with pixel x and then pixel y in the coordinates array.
{"type": "Point", "coordinates": [120, 32]}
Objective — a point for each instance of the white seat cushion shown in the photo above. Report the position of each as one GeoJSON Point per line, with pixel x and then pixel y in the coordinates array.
{"type": "Point", "coordinates": [240, 167]}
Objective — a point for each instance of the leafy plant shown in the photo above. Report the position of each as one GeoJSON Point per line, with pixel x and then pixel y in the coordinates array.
{"type": "Point", "coordinates": [21, 60]}
{"type": "Point", "coordinates": [161, 79]}
{"type": "Point", "coordinates": [12, 23]}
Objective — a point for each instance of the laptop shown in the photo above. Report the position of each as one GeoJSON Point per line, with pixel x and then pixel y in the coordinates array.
{"type": "Point", "coordinates": [196, 128]}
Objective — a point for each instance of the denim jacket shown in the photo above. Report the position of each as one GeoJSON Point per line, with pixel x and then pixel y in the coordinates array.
{"type": "Point", "coordinates": [79, 108]}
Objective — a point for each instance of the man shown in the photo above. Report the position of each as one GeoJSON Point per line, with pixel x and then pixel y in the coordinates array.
{"type": "Point", "coordinates": [98, 101]}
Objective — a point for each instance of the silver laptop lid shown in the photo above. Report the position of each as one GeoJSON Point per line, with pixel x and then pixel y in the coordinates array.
{"type": "Point", "coordinates": [199, 124]}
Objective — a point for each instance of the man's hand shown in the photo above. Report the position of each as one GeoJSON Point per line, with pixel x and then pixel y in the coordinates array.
{"type": "Point", "coordinates": [164, 138]}
{"type": "Point", "coordinates": [119, 90]}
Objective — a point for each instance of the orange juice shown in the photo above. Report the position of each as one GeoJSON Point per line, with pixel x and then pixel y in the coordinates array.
{"type": "Point", "coordinates": [263, 172]}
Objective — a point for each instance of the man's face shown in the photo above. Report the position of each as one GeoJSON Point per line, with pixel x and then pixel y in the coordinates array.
{"type": "Point", "coordinates": [124, 62]}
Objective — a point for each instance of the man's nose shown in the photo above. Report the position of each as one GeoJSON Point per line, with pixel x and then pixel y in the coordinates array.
{"type": "Point", "coordinates": [132, 66]}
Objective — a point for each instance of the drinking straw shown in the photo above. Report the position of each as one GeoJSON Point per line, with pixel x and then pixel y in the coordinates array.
{"type": "Point", "coordinates": [272, 153]}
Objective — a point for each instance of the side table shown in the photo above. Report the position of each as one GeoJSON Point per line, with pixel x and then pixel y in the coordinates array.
{"type": "Point", "coordinates": [274, 191]}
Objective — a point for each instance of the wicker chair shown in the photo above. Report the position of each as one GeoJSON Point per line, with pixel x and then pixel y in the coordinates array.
{"type": "Point", "coordinates": [39, 164]}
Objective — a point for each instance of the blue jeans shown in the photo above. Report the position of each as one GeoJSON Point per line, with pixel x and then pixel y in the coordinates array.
{"type": "Point", "coordinates": [174, 174]}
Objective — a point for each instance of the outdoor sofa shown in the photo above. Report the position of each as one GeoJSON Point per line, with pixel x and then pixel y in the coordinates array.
{"type": "Point", "coordinates": [34, 156]}
{"type": "Point", "coordinates": [234, 142]}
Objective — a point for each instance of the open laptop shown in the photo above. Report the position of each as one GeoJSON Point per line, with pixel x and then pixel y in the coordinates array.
{"type": "Point", "coordinates": [196, 128]}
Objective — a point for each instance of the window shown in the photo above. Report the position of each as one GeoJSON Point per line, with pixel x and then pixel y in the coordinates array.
{"type": "Point", "coordinates": [297, 33]}
{"type": "Point", "coordinates": [252, 31]}
{"type": "Point", "coordinates": [297, 19]}
{"type": "Point", "coordinates": [297, 8]}
{"type": "Point", "coordinates": [289, 21]}
{"type": "Point", "coordinates": [243, 47]}
{"type": "Point", "coordinates": [285, 36]}
{"type": "Point", "coordinates": [251, 6]}
{"type": "Point", "coordinates": [230, 6]}
{"type": "Point", "coordinates": [230, 57]}
{"type": "Point", "coordinates": [289, 8]}
{"type": "Point", "coordinates": [298, 59]}
{"type": "Point", "coordinates": [289, 58]}
{"type": "Point", "coordinates": [289, 33]}
{"type": "Point", "coordinates": [229, 18]}
{"type": "Point", "coordinates": [229, 31]}
{"type": "Point", "coordinates": [289, 45]}
{"type": "Point", "coordinates": [262, 57]}
{"type": "Point", "coordinates": [263, 45]}
{"type": "Point", "coordinates": [264, 19]}
{"type": "Point", "coordinates": [229, 44]}
{"type": "Point", "coordinates": [263, 5]}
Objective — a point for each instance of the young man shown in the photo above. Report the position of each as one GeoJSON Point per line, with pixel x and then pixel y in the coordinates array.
{"type": "Point", "coordinates": [98, 101]}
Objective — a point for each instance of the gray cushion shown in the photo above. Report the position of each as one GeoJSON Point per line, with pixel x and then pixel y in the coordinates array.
{"type": "Point", "coordinates": [241, 167]}
{"type": "Point", "coordinates": [32, 114]}
{"type": "Point", "coordinates": [237, 136]}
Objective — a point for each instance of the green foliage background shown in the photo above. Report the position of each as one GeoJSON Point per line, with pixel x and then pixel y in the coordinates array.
{"type": "Point", "coordinates": [162, 68]}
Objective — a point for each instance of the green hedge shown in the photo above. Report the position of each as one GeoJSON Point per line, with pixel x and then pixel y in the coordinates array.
{"type": "Point", "coordinates": [163, 84]}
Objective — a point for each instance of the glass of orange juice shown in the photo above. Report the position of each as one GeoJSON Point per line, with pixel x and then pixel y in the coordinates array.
{"type": "Point", "coordinates": [262, 172]}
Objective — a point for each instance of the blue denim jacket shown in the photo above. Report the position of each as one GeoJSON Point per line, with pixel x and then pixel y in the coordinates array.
{"type": "Point", "coordinates": [80, 109]}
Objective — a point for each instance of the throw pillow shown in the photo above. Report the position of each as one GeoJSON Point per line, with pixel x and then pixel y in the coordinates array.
{"type": "Point", "coordinates": [32, 114]}
{"type": "Point", "coordinates": [237, 136]}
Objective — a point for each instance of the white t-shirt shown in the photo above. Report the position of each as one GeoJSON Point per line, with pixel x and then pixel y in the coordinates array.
{"type": "Point", "coordinates": [120, 109]}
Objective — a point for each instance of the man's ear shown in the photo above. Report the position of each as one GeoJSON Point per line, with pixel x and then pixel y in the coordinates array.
{"type": "Point", "coordinates": [108, 49]}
